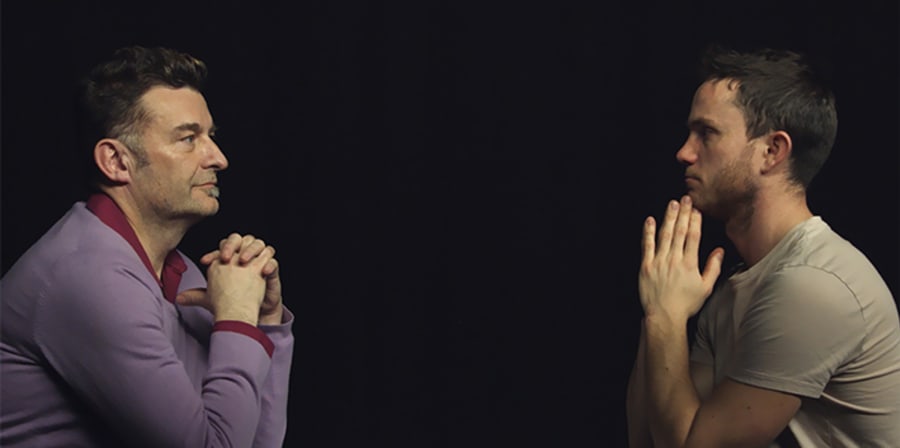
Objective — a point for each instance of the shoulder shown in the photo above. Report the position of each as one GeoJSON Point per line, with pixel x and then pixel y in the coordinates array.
{"type": "Point", "coordinates": [804, 282]}
{"type": "Point", "coordinates": [82, 259]}
{"type": "Point", "coordinates": [822, 261]}
{"type": "Point", "coordinates": [78, 251]}
{"type": "Point", "coordinates": [817, 246]}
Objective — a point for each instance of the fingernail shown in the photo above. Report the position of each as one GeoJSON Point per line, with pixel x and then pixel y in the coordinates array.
{"type": "Point", "coordinates": [674, 205]}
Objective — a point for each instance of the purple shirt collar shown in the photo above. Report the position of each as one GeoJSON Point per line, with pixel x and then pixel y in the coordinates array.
{"type": "Point", "coordinates": [110, 214]}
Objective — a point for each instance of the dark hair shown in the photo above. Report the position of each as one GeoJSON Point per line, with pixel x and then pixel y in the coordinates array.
{"type": "Point", "coordinates": [113, 89]}
{"type": "Point", "coordinates": [777, 90]}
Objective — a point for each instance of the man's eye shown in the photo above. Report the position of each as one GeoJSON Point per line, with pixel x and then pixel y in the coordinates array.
{"type": "Point", "coordinates": [188, 139]}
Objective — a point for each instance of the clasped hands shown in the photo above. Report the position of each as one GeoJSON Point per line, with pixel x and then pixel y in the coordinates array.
{"type": "Point", "coordinates": [670, 282]}
{"type": "Point", "coordinates": [243, 282]}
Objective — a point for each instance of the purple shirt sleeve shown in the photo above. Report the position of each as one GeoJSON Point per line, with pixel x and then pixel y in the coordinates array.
{"type": "Point", "coordinates": [273, 418]}
{"type": "Point", "coordinates": [108, 339]}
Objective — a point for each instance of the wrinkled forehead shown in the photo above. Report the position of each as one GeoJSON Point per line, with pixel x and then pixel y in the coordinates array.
{"type": "Point", "coordinates": [168, 106]}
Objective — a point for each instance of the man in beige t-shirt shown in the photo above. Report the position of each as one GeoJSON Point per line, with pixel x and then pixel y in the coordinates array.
{"type": "Point", "coordinates": [814, 319]}
{"type": "Point", "coordinates": [806, 335]}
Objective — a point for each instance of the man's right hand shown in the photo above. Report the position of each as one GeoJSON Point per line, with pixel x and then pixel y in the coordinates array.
{"type": "Point", "coordinates": [670, 282]}
{"type": "Point", "coordinates": [237, 277]}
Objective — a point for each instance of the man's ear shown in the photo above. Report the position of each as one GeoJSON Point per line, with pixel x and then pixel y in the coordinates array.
{"type": "Point", "coordinates": [112, 158]}
{"type": "Point", "coordinates": [778, 151]}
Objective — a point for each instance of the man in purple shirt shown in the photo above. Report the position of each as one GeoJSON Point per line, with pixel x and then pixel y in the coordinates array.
{"type": "Point", "coordinates": [110, 336]}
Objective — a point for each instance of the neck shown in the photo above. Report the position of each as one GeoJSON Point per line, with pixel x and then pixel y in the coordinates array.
{"type": "Point", "coordinates": [158, 238]}
{"type": "Point", "coordinates": [758, 230]}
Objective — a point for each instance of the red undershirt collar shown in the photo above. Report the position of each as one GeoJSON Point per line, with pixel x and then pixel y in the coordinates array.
{"type": "Point", "coordinates": [110, 214]}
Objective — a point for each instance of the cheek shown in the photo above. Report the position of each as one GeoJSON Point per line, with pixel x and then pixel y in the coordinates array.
{"type": "Point", "coordinates": [729, 156]}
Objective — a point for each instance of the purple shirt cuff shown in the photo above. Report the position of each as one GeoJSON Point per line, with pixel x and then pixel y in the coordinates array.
{"type": "Point", "coordinates": [247, 330]}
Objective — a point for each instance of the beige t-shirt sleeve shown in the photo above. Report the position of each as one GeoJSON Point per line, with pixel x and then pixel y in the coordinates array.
{"type": "Point", "coordinates": [701, 348]}
{"type": "Point", "coordinates": [800, 328]}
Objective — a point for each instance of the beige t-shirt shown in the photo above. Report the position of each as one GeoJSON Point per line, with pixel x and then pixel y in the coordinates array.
{"type": "Point", "coordinates": [814, 319]}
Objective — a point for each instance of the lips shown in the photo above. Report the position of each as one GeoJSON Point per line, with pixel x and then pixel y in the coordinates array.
{"type": "Point", "coordinates": [210, 188]}
{"type": "Point", "coordinates": [209, 183]}
{"type": "Point", "coordinates": [691, 182]}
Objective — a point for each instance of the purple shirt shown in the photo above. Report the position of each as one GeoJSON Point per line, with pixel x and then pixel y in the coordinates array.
{"type": "Point", "coordinates": [94, 351]}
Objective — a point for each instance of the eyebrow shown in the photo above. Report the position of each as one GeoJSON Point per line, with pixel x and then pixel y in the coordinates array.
{"type": "Point", "coordinates": [194, 127]}
{"type": "Point", "coordinates": [700, 122]}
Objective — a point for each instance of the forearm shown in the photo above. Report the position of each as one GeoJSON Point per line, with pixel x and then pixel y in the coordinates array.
{"type": "Point", "coordinates": [152, 397]}
{"type": "Point", "coordinates": [274, 394]}
{"type": "Point", "coordinates": [636, 399]}
{"type": "Point", "coordinates": [672, 401]}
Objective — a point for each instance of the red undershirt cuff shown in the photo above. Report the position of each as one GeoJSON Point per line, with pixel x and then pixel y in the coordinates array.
{"type": "Point", "coordinates": [247, 330]}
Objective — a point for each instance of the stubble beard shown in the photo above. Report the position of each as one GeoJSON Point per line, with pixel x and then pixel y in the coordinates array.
{"type": "Point", "coordinates": [213, 192]}
{"type": "Point", "coordinates": [191, 209]}
{"type": "Point", "coordinates": [729, 197]}
{"type": "Point", "coordinates": [167, 205]}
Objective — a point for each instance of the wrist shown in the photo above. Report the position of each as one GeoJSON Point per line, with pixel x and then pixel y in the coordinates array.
{"type": "Point", "coordinates": [663, 319]}
{"type": "Point", "coordinates": [237, 314]}
{"type": "Point", "coordinates": [272, 318]}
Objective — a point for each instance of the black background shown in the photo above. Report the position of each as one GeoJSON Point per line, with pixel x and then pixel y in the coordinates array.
{"type": "Point", "coordinates": [455, 188]}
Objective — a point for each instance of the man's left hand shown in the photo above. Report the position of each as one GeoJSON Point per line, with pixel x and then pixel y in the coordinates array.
{"type": "Point", "coordinates": [246, 248]}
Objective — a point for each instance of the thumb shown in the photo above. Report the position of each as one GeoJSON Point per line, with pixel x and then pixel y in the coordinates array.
{"type": "Point", "coordinates": [713, 268]}
{"type": "Point", "coordinates": [193, 297]}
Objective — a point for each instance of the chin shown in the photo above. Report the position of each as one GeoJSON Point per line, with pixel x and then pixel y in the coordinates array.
{"type": "Point", "coordinates": [212, 210]}
{"type": "Point", "coordinates": [207, 205]}
{"type": "Point", "coordinates": [698, 202]}
{"type": "Point", "coordinates": [200, 212]}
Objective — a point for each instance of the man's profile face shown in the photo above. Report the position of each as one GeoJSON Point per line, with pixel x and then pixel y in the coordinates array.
{"type": "Point", "coordinates": [718, 156]}
{"type": "Point", "coordinates": [179, 178]}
